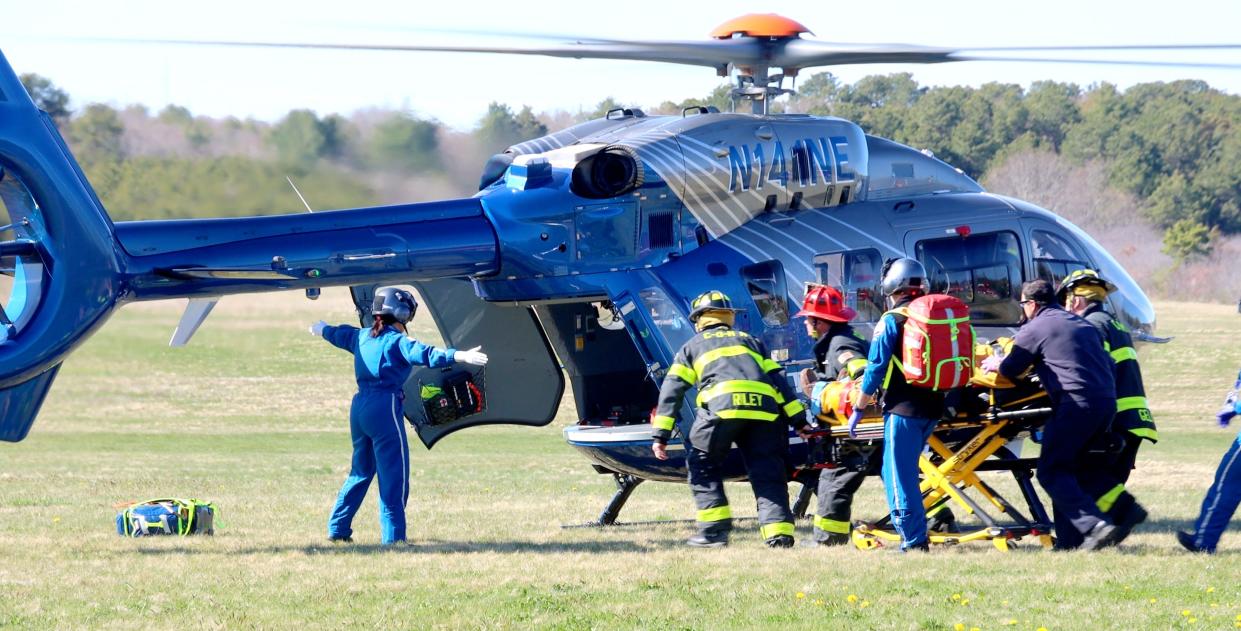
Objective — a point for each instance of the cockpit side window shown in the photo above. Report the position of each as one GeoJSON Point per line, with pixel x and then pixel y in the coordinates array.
{"type": "Point", "coordinates": [765, 283]}
{"type": "Point", "coordinates": [1054, 256]}
{"type": "Point", "coordinates": [856, 274]}
{"type": "Point", "coordinates": [982, 270]}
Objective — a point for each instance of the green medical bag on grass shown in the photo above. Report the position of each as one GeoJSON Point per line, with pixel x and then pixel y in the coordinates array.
{"type": "Point", "coordinates": [169, 516]}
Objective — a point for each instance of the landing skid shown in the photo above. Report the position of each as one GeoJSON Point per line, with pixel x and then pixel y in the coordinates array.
{"type": "Point", "coordinates": [626, 483]}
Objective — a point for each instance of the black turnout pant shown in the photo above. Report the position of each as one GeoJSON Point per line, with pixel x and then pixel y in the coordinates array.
{"type": "Point", "coordinates": [836, 490]}
{"type": "Point", "coordinates": [1064, 462]}
{"type": "Point", "coordinates": [763, 445]}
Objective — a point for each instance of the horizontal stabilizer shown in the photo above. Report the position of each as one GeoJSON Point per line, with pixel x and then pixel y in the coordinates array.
{"type": "Point", "coordinates": [195, 313]}
{"type": "Point", "coordinates": [20, 404]}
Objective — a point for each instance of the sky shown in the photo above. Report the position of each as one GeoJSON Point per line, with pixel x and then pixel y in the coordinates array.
{"type": "Point", "coordinates": [48, 38]}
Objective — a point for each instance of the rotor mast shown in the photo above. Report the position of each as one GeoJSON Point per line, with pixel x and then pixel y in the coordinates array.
{"type": "Point", "coordinates": [755, 83]}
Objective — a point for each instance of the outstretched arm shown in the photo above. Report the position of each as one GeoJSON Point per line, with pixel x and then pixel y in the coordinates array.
{"type": "Point", "coordinates": [420, 354]}
{"type": "Point", "coordinates": [344, 337]}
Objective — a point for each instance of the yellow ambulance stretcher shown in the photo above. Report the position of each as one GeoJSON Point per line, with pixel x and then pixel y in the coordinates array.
{"type": "Point", "coordinates": [991, 416]}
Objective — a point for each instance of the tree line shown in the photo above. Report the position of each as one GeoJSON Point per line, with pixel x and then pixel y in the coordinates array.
{"type": "Point", "coordinates": [1164, 155]}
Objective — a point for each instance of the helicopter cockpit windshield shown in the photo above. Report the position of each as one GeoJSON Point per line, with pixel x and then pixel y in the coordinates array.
{"type": "Point", "coordinates": [21, 266]}
{"type": "Point", "coordinates": [1130, 303]}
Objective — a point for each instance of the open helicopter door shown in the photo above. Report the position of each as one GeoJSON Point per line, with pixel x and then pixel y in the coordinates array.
{"type": "Point", "coordinates": [521, 384]}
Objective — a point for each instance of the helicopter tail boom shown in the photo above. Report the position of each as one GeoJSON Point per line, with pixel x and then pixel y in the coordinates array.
{"type": "Point", "coordinates": [65, 266]}
{"type": "Point", "coordinates": [213, 257]}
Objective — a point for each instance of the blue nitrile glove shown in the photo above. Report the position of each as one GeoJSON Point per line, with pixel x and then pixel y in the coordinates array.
{"type": "Point", "coordinates": [854, 419]}
{"type": "Point", "coordinates": [1230, 409]}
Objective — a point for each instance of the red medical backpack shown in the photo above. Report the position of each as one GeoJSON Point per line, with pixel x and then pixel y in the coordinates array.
{"type": "Point", "coordinates": [937, 351]}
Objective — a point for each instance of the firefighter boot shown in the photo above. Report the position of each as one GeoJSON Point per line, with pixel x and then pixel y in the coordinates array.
{"type": "Point", "coordinates": [706, 540]}
{"type": "Point", "coordinates": [780, 541]}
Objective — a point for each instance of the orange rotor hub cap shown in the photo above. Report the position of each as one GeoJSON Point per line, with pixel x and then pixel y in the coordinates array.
{"type": "Point", "coordinates": [760, 25]}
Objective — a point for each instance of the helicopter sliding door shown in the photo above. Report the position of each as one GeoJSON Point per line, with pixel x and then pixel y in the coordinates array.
{"type": "Point", "coordinates": [981, 264]}
{"type": "Point", "coordinates": [521, 384]}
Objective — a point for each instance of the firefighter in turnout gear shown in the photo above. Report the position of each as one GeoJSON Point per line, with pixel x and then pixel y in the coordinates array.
{"type": "Point", "coordinates": [743, 398]}
{"type": "Point", "coordinates": [839, 352]}
{"type": "Point", "coordinates": [1082, 292]}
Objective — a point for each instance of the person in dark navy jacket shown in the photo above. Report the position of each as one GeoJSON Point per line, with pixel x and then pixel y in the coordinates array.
{"type": "Point", "coordinates": [1067, 354]}
{"type": "Point", "coordinates": [383, 359]}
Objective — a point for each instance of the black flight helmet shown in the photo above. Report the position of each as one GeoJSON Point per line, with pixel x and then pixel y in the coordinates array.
{"type": "Point", "coordinates": [396, 302]}
{"type": "Point", "coordinates": [904, 276]}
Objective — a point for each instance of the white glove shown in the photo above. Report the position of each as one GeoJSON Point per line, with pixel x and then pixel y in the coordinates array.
{"type": "Point", "coordinates": [992, 363]}
{"type": "Point", "coordinates": [475, 356]}
{"type": "Point", "coordinates": [316, 329]}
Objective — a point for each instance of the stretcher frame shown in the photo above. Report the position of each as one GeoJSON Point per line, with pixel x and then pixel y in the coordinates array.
{"type": "Point", "coordinates": [950, 476]}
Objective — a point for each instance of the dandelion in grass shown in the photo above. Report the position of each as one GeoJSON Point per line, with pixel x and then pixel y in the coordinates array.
{"type": "Point", "coordinates": [956, 597]}
{"type": "Point", "coordinates": [958, 627]}
{"type": "Point", "coordinates": [865, 604]}
{"type": "Point", "coordinates": [1185, 612]}
{"type": "Point", "coordinates": [852, 598]}
{"type": "Point", "coordinates": [801, 595]}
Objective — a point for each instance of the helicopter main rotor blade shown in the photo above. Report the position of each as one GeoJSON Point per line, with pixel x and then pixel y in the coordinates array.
{"type": "Point", "coordinates": [709, 53]}
{"type": "Point", "coordinates": [788, 53]}
{"type": "Point", "coordinates": [810, 53]}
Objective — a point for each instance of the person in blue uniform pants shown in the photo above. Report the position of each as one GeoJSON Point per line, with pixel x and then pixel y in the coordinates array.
{"type": "Point", "coordinates": [383, 358]}
{"type": "Point", "coordinates": [1225, 492]}
{"type": "Point", "coordinates": [909, 413]}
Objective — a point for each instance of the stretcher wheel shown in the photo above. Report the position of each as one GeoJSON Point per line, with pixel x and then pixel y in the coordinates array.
{"type": "Point", "coordinates": [1047, 541]}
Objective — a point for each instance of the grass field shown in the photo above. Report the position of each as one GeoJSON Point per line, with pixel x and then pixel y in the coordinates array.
{"type": "Point", "coordinates": [253, 416]}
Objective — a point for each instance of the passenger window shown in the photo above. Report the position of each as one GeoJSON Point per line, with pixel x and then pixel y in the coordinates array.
{"type": "Point", "coordinates": [765, 282]}
{"type": "Point", "coordinates": [666, 317]}
{"type": "Point", "coordinates": [1054, 256]}
{"type": "Point", "coordinates": [982, 270]}
{"type": "Point", "coordinates": [856, 274]}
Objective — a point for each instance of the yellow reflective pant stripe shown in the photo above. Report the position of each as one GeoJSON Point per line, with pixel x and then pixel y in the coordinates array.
{"type": "Point", "coordinates": [751, 415]}
{"type": "Point", "coordinates": [1131, 403]}
{"type": "Point", "coordinates": [706, 358]}
{"type": "Point", "coordinates": [793, 408]}
{"type": "Point", "coordinates": [663, 422]}
{"type": "Point", "coordinates": [1123, 353]}
{"type": "Point", "coordinates": [1108, 500]}
{"type": "Point", "coordinates": [1148, 433]}
{"type": "Point", "coordinates": [831, 525]}
{"type": "Point", "coordinates": [744, 386]}
{"type": "Point", "coordinates": [779, 528]}
{"type": "Point", "coordinates": [684, 373]}
{"type": "Point", "coordinates": [719, 513]}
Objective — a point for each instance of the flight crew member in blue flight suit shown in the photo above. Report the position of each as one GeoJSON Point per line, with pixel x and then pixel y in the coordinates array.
{"type": "Point", "coordinates": [743, 398]}
{"type": "Point", "coordinates": [909, 413]}
{"type": "Point", "coordinates": [1067, 353]}
{"type": "Point", "coordinates": [1225, 493]}
{"type": "Point", "coordinates": [383, 360]}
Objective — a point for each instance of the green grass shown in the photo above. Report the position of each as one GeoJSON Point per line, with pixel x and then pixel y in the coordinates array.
{"type": "Point", "coordinates": [252, 415]}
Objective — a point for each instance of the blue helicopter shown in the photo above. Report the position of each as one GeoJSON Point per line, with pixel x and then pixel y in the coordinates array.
{"type": "Point", "coordinates": [578, 256]}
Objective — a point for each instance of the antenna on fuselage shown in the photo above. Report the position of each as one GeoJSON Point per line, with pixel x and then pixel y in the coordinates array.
{"type": "Point", "coordinates": [299, 194]}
